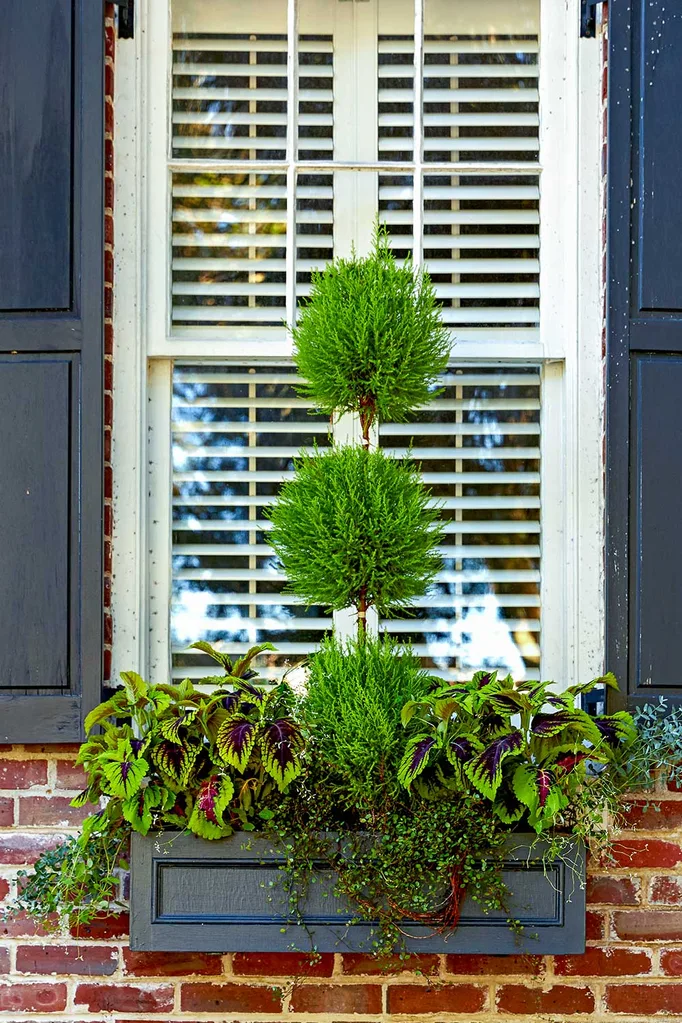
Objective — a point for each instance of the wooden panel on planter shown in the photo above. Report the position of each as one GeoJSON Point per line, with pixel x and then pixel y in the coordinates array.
{"type": "Point", "coordinates": [227, 896]}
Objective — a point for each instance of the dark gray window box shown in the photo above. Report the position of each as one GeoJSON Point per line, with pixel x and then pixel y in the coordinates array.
{"type": "Point", "coordinates": [226, 896]}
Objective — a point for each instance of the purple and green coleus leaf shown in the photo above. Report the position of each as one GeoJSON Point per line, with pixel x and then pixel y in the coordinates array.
{"type": "Point", "coordinates": [235, 740]}
{"type": "Point", "coordinates": [170, 727]}
{"type": "Point", "coordinates": [461, 749]}
{"type": "Point", "coordinates": [485, 769]}
{"type": "Point", "coordinates": [507, 807]}
{"type": "Point", "coordinates": [138, 809]}
{"type": "Point", "coordinates": [212, 799]}
{"type": "Point", "coordinates": [123, 770]}
{"type": "Point", "coordinates": [176, 761]}
{"type": "Point", "coordinates": [608, 680]}
{"type": "Point", "coordinates": [532, 785]}
{"type": "Point", "coordinates": [281, 746]}
{"type": "Point", "coordinates": [415, 758]}
{"type": "Point", "coordinates": [616, 729]}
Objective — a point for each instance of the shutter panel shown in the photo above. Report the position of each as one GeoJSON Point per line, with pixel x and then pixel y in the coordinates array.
{"type": "Point", "coordinates": [478, 445]}
{"type": "Point", "coordinates": [51, 169]}
{"type": "Point", "coordinates": [644, 330]}
{"type": "Point", "coordinates": [230, 230]}
{"type": "Point", "coordinates": [480, 240]}
{"type": "Point", "coordinates": [236, 431]}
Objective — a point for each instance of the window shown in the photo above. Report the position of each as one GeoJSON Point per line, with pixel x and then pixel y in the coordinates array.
{"type": "Point", "coordinates": [290, 124]}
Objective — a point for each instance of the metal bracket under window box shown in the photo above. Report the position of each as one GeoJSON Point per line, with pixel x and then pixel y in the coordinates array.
{"type": "Point", "coordinates": [126, 18]}
{"type": "Point", "coordinates": [588, 18]}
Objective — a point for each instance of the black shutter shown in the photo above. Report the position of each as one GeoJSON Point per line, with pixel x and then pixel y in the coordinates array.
{"type": "Point", "coordinates": [51, 170]}
{"type": "Point", "coordinates": [644, 338]}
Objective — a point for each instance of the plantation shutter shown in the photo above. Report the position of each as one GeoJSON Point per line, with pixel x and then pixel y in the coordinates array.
{"type": "Point", "coordinates": [280, 159]}
{"type": "Point", "coordinates": [480, 235]}
{"type": "Point", "coordinates": [230, 104]}
{"type": "Point", "coordinates": [478, 445]}
{"type": "Point", "coordinates": [644, 326]}
{"type": "Point", "coordinates": [236, 431]}
{"type": "Point", "coordinates": [51, 169]}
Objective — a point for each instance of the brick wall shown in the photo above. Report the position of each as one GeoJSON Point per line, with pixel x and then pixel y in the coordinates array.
{"type": "Point", "coordinates": [632, 969]}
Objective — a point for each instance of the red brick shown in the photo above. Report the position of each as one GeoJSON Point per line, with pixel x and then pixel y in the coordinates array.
{"type": "Point", "coordinates": [22, 774]}
{"type": "Point", "coordinates": [4, 888]}
{"type": "Point", "coordinates": [418, 999]}
{"type": "Point", "coordinates": [4, 961]}
{"type": "Point", "coordinates": [32, 997]}
{"type": "Point", "coordinates": [613, 891]}
{"type": "Point", "coordinates": [644, 999]}
{"type": "Point", "coordinates": [357, 964]}
{"type": "Point", "coordinates": [106, 656]}
{"type": "Point", "coordinates": [22, 926]}
{"type": "Point", "coordinates": [282, 964]}
{"type": "Point", "coordinates": [22, 848]}
{"type": "Point", "coordinates": [110, 41]}
{"type": "Point", "coordinates": [230, 998]}
{"type": "Point", "coordinates": [69, 776]}
{"type": "Point", "coordinates": [86, 960]}
{"type": "Point", "coordinates": [647, 853]}
{"type": "Point", "coordinates": [520, 999]}
{"type": "Point", "coordinates": [604, 962]}
{"type": "Point", "coordinates": [648, 925]}
{"type": "Point", "coordinates": [109, 191]}
{"type": "Point", "coordinates": [671, 963]}
{"type": "Point", "coordinates": [492, 966]}
{"type": "Point", "coordinates": [654, 815]}
{"type": "Point", "coordinates": [348, 999]}
{"type": "Point", "coordinates": [595, 926]}
{"type": "Point", "coordinates": [108, 520]}
{"type": "Point", "coordinates": [125, 997]}
{"type": "Point", "coordinates": [104, 927]}
{"type": "Point", "coordinates": [6, 813]}
{"type": "Point", "coordinates": [665, 890]}
{"type": "Point", "coordinates": [108, 348]}
{"type": "Point", "coordinates": [171, 964]}
{"type": "Point", "coordinates": [40, 811]}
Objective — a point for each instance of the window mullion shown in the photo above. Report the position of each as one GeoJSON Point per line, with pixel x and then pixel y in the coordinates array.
{"type": "Point", "coordinates": [418, 122]}
{"type": "Point", "coordinates": [292, 135]}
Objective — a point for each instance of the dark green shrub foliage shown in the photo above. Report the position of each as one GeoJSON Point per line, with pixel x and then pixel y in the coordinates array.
{"type": "Point", "coordinates": [352, 709]}
{"type": "Point", "coordinates": [371, 340]}
{"type": "Point", "coordinates": [354, 527]}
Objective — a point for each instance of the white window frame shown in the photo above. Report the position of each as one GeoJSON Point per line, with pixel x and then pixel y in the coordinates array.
{"type": "Point", "coordinates": [569, 347]}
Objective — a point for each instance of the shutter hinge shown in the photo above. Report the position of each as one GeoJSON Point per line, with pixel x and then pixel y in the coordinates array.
{"type": "Point", "coordinates": [126, 18]}
{"type": "Point", "coordinates": [588, 18]}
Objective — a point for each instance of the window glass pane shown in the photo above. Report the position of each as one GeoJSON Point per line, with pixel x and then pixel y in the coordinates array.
{"type": "Point", "coordinates": [229, 249]}
{"type": "Point", "coordinates": [478, 445]}
{"type": "Point", "coordinates": [235, 432]}
{"type": "Point", "coordinates": [229, 94]}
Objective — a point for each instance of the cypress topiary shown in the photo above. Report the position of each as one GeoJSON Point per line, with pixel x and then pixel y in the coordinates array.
{"type": "Point", "coordinates": [356, 528]}
{"type": "Point", "coordinates": [371, 340]}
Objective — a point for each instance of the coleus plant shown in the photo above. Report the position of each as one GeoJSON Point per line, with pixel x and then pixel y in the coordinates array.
{"type": "Point", "coordinates": [172, 755]}
{"type": "Point", "coordinates": [528, 749]}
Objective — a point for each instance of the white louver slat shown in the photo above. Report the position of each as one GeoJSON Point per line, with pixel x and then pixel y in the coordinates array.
{"type": "Point", "coordinates": [481, 232]}
{"type": "Point", "coordinates": [478, 446]}
{"type": "Point", "coordinates": [235, 433]}
{"type": "Point", "coordinates": [230, 97]}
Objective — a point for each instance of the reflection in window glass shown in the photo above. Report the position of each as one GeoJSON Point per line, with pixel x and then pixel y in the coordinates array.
{"type": "Point", "coordinates": [236, 431]}
{"type": "Point", "coordinates": [478, 446]}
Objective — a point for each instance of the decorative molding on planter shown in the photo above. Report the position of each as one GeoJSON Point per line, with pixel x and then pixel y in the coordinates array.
{"type": "Point", "coordinates": [192, 895]}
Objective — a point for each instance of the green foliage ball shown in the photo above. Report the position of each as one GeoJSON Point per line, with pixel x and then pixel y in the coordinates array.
{"type": "Point", "coordinates": [355, 527]}
{"type": "Point", "coordinates": [371, 339]}
{"type": "Point", "coordinates": [352, 707]}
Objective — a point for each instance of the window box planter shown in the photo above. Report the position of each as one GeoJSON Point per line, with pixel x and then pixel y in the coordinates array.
{"type": "Point", "coordinates": [224, 896]}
